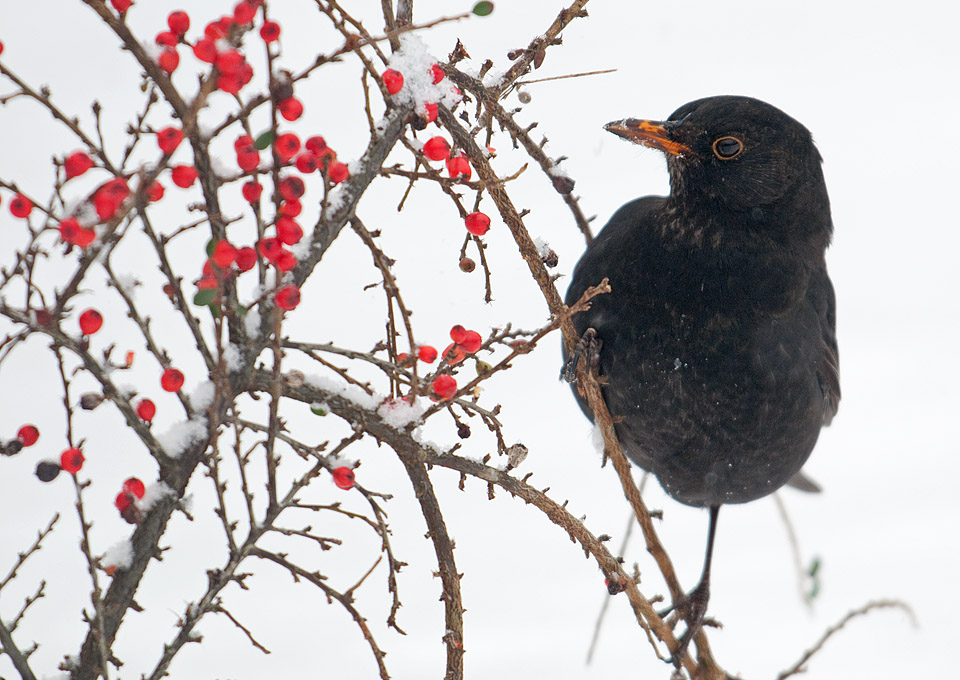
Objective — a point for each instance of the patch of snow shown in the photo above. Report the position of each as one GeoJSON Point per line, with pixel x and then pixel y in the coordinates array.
{"type": "Point", "coordinates": [232, 357]}
{"type": "Point", "coordinates": [181, 435]}
{"type": "Point", "coordinates": [120, 555]}
{"type": "Point", "coordinates": [351, 393]}
{"type": "Point", "coordinates": [557, 171]}
{"type": "Point", "coordinates": [221, 167]}
{"type": "Point", "coordinates": [251, 322]}
{"type": "Point", "coordinates": [128, 283]}
{"type": "Point", "coordinates": [543, 248]}
{"type": "Point", "coordinates": [596, 438]}
{"type": "Point", "coordinates": [154, 493]}
{"type": "Point", "coordinates": [202, 396]}
{"type": "Point", "coordinates": [398, 413]}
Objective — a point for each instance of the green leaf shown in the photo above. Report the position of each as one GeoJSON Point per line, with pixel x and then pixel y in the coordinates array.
{"type": "Point", "coordinates": [215, 310]}
{"type": "Point", "coordinates": [204, 296]}
{"type": "Point", "coordinates": [264, 140]}
{"type": "Point", "coordinates": [211, 244]}
{"type": "Point", "coordinates": [240, 310]}
{"type": "Point", "coordinates": [318, 409]}
{"type": "Point", "coordinates": [482, 9]}
{"type": "Point", "coordinates": [814, 567]}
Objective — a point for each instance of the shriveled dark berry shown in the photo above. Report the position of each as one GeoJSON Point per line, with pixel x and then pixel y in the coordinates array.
{"type": "Point", "coordinates": [47, 470]}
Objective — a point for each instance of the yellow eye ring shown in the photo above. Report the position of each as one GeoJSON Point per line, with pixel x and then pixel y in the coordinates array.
{"type": "Point", "coordinates": [726, 148]}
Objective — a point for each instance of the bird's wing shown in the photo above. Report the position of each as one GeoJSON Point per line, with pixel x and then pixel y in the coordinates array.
{"type": "Point", "coordinates": [829, 369]}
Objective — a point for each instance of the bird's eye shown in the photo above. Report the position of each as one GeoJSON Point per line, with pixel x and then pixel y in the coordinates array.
{"type": "Point", "coordinates": [726, 148]}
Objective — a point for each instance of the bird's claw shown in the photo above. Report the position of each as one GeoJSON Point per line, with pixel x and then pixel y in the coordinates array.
{"type": "Point", "coordinates": [693, 609]}
{"type": "Point", "coordinates": [588, 347]}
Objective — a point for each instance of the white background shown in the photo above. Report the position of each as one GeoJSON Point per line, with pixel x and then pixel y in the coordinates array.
{"type": "Point", "coordinates": [876, 84]}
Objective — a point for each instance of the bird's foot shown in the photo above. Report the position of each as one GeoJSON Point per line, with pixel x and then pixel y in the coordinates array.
{"type": "Point", "coordinates": [589, 348]}
{"type": "Point", "coordinates": [692, 608]}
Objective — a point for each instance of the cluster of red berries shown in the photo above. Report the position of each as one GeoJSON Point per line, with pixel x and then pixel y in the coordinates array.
{"type": "Point", "coordinates": [393, 83]}
{"type": "Point", "coordinates": [126, 502]}
{"type": "Point", "coordinates": [465, 342]}
{"type": "Point", "coordinates": [438, 149]}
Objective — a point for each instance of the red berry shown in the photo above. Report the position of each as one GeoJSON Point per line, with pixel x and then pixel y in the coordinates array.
{"type": "Point", "coordinates": [109, 197]}
{"type": "Point", "coordinates": [316, 144]}
{"type": "Point", "coordinates": [453, 354]}
{"type": "Point", "coordinates": [171, 380]}
{"type": "Point", "coordinates": [28, 435]}
{"type": "Point", "coordinates": [246, 258]}
{"type": "Point", "coordinates": [471, 342]}
{"type": "Point", "coordinates": [270, 31]}
{"type": "Point", "coordinates": [248, 160]}
{"type": "Point", "coordinates": [458, 334]}
{"type": "Point", "coordinates": [167, 39]}
{"type": "Point", "coordinates": [436, 149]}
{"type": "Point", "coordinates": [438, 73]}
{"type": "Point", "coordinates": [444, 386]}
{"type": "Point", "coordinates": [291, 108]}
{"type": "Point", "coordinates": [286, 146]}
{"type": "Point", "coordinates": [155, 192]}
{"type": "Point", "coordinates": [285, 260]}
{"type": "Point", "coordinates": [183, 175]}
{"type": "Point", "coordinates": [69, 230]}
{"type": "Point", "coordinates": [85, 238]}
{"type": "Point", "coordinates": [344, 478]}
{"type": "Point", "coordinates": [76, 164]}
{"type": "Point", "coordinates": [168, 60]}
{"type": "Point", "coordinates": [179, 22]}
{"type": "Point", "coordinates": [291, 208]}
{"type": "Point", "coordinates": [71, 460]}
{"type": "Point", "coordinates": [243, 144]}
{"type": "Point", "coordinates": [169, 138]}
{"type": "Point", "coordinates": [269, 247]}
{"type": "Point", "coordinates": [1, 47]}
{"type": "Point", "coordinates": [427, 354]}
{"type": "Point", "coordinates": [224, 254]}
{"type": "Point", "coordinates": [134, 486]}
{"type": "Point", "coordinates": [121, 6]}
{"type": "Point", "coordinates": [229, 62]}
{"type": "Point", "coordinates": [123, 500]}
{"type": "Point", "coordinates": [338, 172]}
{"type": "Point", "coordinates": [218, 29]}
{"type": "Point", "coordinates": [292, 187]}
{"type": "Point", "coordinates": [392, 80]}
{"type": "Point", "coordinates": [458, 166]}
{"type": "Point", "coordinates": [432, 112]}
{"type": "Point", "coordinates": [90, 322]}
{"type": "Point", "coordinates": [288, 231]}
{"type": "Point", "coordinates": [477, 223]}
{"type": "Point", "coordinates": [21, 206]}
{"type": "Point", "coordinates": [307, 162]}
{"type": "Point", "coordinates": [288, 297]}
{"type": "Point", "coordinates": [146, 410]}
{"type": "Point", "coordinates": [205, 50]}
{"type": "Point", "coordinates": [252, 190]}
{"type": "Point", "coordinates": [244, 12]}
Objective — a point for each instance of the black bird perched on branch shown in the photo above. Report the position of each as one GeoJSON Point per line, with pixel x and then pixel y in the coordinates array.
{"type": "Point", "coordinates": [716, 345]}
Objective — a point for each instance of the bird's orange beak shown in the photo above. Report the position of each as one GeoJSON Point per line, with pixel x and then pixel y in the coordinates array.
{"type": "Point", "coordinates": [648, 133]}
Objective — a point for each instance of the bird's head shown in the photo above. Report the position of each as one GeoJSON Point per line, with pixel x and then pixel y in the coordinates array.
{"type": "Point", "coordinates": [737, 154]}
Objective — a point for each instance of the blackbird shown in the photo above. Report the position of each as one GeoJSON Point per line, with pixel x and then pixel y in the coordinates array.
{"type": "Point", "coordinates": [716, 346]}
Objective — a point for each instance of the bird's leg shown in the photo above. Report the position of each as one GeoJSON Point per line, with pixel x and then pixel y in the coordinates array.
{"type": "Point", "coordinates": [589, 348]}
{"type": "Point", "coordinates": [693, 607]}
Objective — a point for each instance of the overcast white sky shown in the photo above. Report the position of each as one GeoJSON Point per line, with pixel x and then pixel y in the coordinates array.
{"type": "Point", "coordinates": [876, 84]}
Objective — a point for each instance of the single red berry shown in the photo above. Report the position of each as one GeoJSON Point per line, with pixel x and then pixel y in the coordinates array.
{"type": "Point", "coordinates": [169, 138]}
{"type": "Point", "coordinates": [224, 254]}
{"type": "Point", "coordinates": [344, 478]}
{"type": "Point", "coordinates": [292, 187]}
{"type": "Point", "coordinates": [167, 39]}
{"type": "Point", "coordinates": [21, 206]}
{"type": "Point", "coordinates": [438, 73]}
{"type": "Point", "coordinates": [243, 144]}
{"type": "Point", "coordinates": [134, 486]}
{"type": "Point", "coordinates": [288, 297]}
{"type": "Point", "coordinates": [252, 190]}
{"type": "Point", "coordinates": [444, 386]}
{"type": "Point", "coordinates": [121, 5]}
{"type": "Point", "coordinates": [458, 334]}
{"type": "Point", "coordinates": [471, 342]}
{"type": "Point", "coordinates": [171, 380]}
{"type": "Point", "coordinates": [90, 322]}
{"type": "Point", "coordinates": [291, 208]}
{"type": "Point", "coordinates": [285, 260]}
{"type": "Point", "coordinates": [168, 60]}
{"type": "Point", "coordinates": [427, 353]}
{"type": "Point", "coordinates": [229, 61]}
{"type": "Point", "coordinates": [205, 50]}
{"type": "Point", "coordinates": [432, 112]}
{"type": "Point", "coordinates": [85, 237]}
{"type": "Point", "coordinates": [28, 435]}
{"type": "Point", "coordinates": [76, 164]}
{"type": "Point", "coordinates": [183, 175]}
{"type": "Point", "coordinates": [248, 160]}
{"type": "Point", "coordinates": [286, 146]}
{"type": "Point", "coordinates": [244, 12]}
{"type": "Point", "coordinates": [338, 172]}
{"type": "Point", "coordinates": [208, 282]}
{"type": "Point", "coordinates": [477, 223]}
{"type": "Point", "coordinates": [270, 31]}
{"type": "Point", "coordinates": [69, 230]}
{"type": "Point", "coordinates": [288, 231]}
{"type": "Point", "coordinates": [307, 162]}
{"type": "Point", "coordinates": [109, 197]}
{"type": "Point", "coordinates": [1, 47]}
{"type": "Point", "coordinates": [71, 460]}
{"type": "Point", "coordinates": [316, 144]}
{"type": "Point", "coordinates": [403, 359]}
{"type": "Point", "coordinates": [291, 108]}
{"type": "Point", "coordinates": [392, 80]}
{"type": "Point", "coordinates": [459, 166]}
{"type": "Point", "coordinates": [269, 247]}
{"type": "Point", "coordinates": [436, 149]}
{"type": "Point", "coordinates": [123, 500]}
{"type": "Point", "coordinates": [246, 258]}
{"type": "Point", "coordinates": [146, 410]}
{"type": "Point", "coordinates": [179, 22]}
{"type": "Point", "coordinates": [155, 192]}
